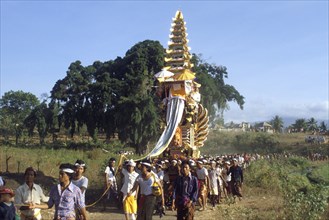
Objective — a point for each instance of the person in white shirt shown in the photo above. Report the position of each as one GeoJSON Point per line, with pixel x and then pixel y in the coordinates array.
{"type": "Point", "coordinates": [129, 202]}
{"type": "Point", "coordinates": [111, 182]}
{"type": "Point", "coordinates": [227, 177]}
{"type": "Point", "coordinates": [241, 161]}
{"type": "Point", "coordinates": [203, 179]}
{"type": "Point", "coordinates": [160, 174]}
{"type": "Point", "coordinates": [222, 193]}
{"type": "Point", "coordinates": [30, 193]}
{"type": "Point", "coordinates": [78, 179]}
{"type": "Point", "coordinates": [145, 182]}
{"type": "Point", "coordinates": [213, 183]}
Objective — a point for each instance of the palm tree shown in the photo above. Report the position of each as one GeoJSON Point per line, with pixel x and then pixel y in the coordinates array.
{"type": "Point", "coordinates": [277, 124]}
{"type": "Point", "coordinates": [311, 124]}
{"type": "Point", "coordinates": [300, 125]}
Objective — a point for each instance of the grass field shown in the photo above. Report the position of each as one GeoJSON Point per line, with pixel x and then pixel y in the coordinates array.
{"type": "Point", "coordinates": [47, 159]}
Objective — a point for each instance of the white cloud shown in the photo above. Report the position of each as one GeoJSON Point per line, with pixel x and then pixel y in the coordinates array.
{"type": "Point", "coordinates": [318, 110]}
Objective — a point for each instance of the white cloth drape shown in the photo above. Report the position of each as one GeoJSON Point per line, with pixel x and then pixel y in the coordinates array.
{"type": "Point", "coordinates": [175, 109]}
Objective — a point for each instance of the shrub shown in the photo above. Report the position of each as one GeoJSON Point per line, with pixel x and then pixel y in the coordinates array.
{"type": "Point", "coordinates": [94, 154]}
{"type": "Point", "coordinates": [298, 162]}
{"type": "Point", "coordinates": [319, 174]}
{"type": "Point", "coordinates": [305, 204]}
{"type": "Point", "coordinates": [264, 175]}
{"type": "Point", "coordinates": [243, 141]}
{"type": "Point", "coordinates": [302, 200]}
{"type": "Point", "coordinates": [297, 182]}
{"type": "Point", "coordinates": [288, 176]}
{"type": "Point", "coordinates": [265, 143]}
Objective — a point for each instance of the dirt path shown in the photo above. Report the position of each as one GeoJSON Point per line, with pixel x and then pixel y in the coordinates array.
{"type": "Point", "coordinates": [112, 214]}
{"type": "Point", "coordinates": [115, 214]}
{"type": "Point", "coordinates": [95, 213]}
{"type": "Point", "coordinates": [259, 206]}
{"type": "Point", "coordinates": [256, 204]}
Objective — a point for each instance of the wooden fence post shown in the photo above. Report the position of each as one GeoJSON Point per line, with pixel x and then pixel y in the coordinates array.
{"type": "Point", "coordinates": [7, 162]}
{"type": "Point", "coordinates": [38, 164]}
{"type": "Point", "coordinates": [18, 166]}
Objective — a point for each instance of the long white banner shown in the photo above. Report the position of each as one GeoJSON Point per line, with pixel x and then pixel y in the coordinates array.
{"type": "Point", "coordinates": [174, 115]}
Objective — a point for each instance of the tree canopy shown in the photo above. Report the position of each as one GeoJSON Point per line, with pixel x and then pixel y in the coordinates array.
{"type": "Point", "coordinates": [15, 106]}
{"type": "Point", "coordinates": [215, 92]}
{"type": "Point", "coordinates": [277, 123]}
{"type": "Point", "coordinates": [18, 105]}
{"type": "Point", "coordinates": [116, 97]}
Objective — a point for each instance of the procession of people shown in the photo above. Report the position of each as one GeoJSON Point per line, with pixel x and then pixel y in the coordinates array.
{"type": "Point", "coordinates": [151, 187]}
{"type": "Point", "coordinates": [140, 189]}
{"type": "Point", "coordinates": [143, 188]}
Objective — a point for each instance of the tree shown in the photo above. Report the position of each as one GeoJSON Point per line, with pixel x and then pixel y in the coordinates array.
{"type": "Point", "coordinates": [40, 117]}
{"type": "Point", "coordinates": [299, 125]}
{"type": "Point", "coordinates": [215, 92]}
{"type": "Point", "coordinates": [136, 115]}
{"type": "Point", "coordinates": [117, 96]}
{"type": "Point", "coordinates": [15, 106]}
{"type": "Point", "coordinates": [277, 123]}
{"type": "Point", "coordinates": [323, 127]}
{"type": "Point", "coordinates": [53, 119]}
{"type": "Point", "coordinates": [311, 125]}
{"type": "Point", "coordinates": [71, 93]}
{"type": "Point", "coordinates": [102, 98]}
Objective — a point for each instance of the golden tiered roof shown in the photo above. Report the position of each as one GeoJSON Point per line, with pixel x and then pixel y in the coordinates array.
{"type": "Point", "coordinates": [178, 57]}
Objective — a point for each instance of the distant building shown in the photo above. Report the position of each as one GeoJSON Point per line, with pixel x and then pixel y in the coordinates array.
{"type": "Point", "coordinates": [231, 126]}
{"type": "Point", "coordinates": [245, 126]}
{"type": "Point", "coordinates": [263, 127]}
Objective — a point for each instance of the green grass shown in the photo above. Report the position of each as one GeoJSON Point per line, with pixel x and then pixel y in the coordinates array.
{"type": "Point", "coordinates": [49, 160]}
{"type": "Point", "coordinates": [293, 180]}
{"type": "Point", "coordinates": [320, 173]}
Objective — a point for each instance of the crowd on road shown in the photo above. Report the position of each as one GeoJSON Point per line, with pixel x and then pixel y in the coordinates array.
{"type": "Point", "coordinates": [174, 184]}
{"type": "Point", "coordinates": [147, 187]}
{"type": "Point", "coordinates": [140, 188]}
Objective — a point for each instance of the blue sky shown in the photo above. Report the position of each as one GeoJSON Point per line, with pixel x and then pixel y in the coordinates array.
{"type": "Point", "coordinates": [276, 52]}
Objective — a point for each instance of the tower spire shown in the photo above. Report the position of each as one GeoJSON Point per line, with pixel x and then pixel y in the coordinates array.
{"type": "Point", "coordinates": [178, 57]}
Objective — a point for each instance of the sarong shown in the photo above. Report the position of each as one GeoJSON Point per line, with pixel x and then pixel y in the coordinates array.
{"type": "Point", "coordinates": [185, 213]}
{"type": "Point", "coordinates": [130, 205]}
{"type": "Point", "coordinates": [146, 207]}
{"type": "Point", "coordinates": [214, 191]}
{"type": "Point", "coordinates": [236, 188]}
{"type": "Point", "coordinates": [202, 187]}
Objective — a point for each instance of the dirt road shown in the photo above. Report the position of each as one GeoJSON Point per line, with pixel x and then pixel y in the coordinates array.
{"type": "Point", "coordinates": [115, 214]}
